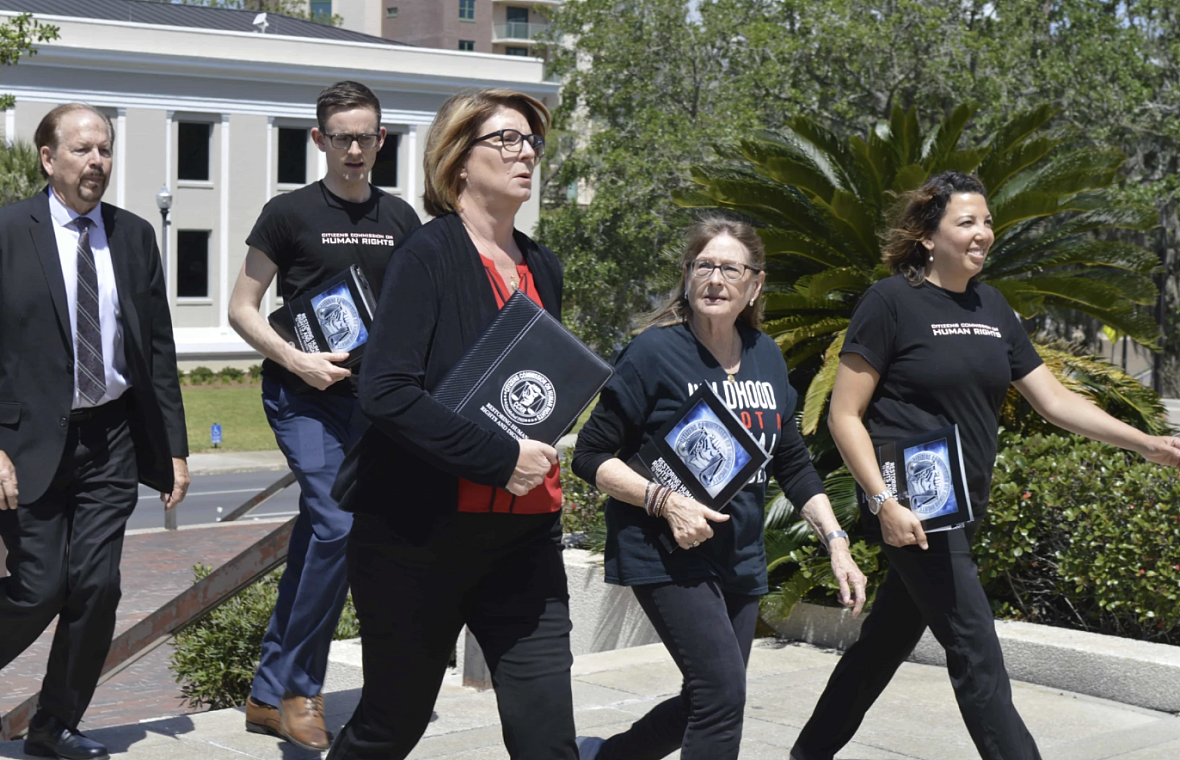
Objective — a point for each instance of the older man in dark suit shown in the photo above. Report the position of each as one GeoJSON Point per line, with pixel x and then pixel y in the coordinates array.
{"type": "Point", "coordinates": [89, 404]}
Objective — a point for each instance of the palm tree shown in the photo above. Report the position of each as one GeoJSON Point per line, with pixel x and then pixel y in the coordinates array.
{"type": "Point", "coordinates": [823, 201]}
{"type": "Point", "coordinates": [20, 172]}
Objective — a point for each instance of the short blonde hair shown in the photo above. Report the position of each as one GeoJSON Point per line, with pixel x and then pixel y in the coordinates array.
{"type": "Point", "coordinates": [455, 127]}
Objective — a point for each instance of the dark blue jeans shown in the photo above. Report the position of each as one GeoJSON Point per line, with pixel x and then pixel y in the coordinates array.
{"type": "Point", "coordinates": [314, 431]}
{"type": "Point", "coordinates": [709, 633]}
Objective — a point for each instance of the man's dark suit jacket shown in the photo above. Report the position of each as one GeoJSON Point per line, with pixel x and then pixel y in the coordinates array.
{"type": "Point", "coordinates": [37, 347]}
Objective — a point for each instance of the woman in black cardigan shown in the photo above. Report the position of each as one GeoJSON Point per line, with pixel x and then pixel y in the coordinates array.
{"type": "Point", "coordinates": [455, 525]}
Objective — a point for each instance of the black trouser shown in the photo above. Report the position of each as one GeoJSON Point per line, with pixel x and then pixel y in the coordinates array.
{"type": "Point", "coordinates": [708, 632]}
{"type": "Point", "coordinates": [503, 576]}
{"type": "Point", "coordinates": [938, 588]}
{"type": "Point", "coordinates": [63, 558]}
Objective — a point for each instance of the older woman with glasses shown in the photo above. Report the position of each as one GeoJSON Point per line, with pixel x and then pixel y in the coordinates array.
{"type": "Point", "coordinates": [702, 597]}
{"type": "Point", "coordinates": [455, 525]}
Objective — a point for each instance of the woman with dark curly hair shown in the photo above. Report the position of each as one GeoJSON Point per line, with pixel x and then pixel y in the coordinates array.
{"type": "Point", "coordinates": [929, 347]}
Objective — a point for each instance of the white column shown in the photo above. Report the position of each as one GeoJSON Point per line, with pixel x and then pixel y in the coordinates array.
{"type": "Point", "coordinates": [171, 268]}
{"type": "Point", "coordinates": [268, 193]}
{"type": "Point", "coordinates": [168, 115]}
{"type": "Point", "coordinates": [10, 124]}
{"type": "Point", "coordinates": [412, 193]}
{"type": "Point", "coordinates": [121, 158]}
{"type": "Point", "coordinates": [223, 223]}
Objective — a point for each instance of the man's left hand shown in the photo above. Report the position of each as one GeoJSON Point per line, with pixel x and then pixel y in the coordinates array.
{"type": "Point", "coordinates": [180, 481]}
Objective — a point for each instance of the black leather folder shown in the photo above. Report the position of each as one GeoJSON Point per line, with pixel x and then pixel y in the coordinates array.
{"type": "Point", "coordinates": [525, 375]}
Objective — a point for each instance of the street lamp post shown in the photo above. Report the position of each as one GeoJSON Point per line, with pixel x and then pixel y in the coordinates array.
{"type": "Point", "coordinates": [164, 203]}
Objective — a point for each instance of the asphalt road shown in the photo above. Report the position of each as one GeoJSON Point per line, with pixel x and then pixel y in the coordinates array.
{"type": "Point", "coordinates": [211, 496]}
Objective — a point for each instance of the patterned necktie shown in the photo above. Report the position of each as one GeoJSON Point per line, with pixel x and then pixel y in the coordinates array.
{"type": "Point", "coordinates": [92, 376]}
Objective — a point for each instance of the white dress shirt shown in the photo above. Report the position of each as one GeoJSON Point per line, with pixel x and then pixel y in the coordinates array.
{"type": "Point", "coordinates": [113, 357]}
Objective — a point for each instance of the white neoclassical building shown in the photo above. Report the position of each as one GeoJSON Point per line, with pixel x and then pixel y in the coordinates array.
{"type": "Point", "coordinates": [217, 105]}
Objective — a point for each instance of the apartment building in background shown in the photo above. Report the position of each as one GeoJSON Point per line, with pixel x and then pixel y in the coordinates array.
{"type": "Point", "coordinates": [502, 27]}
{"type": "Point", "coordinates": [217, 106]}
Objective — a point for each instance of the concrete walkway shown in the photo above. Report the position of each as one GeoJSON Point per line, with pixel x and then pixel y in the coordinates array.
{"type": "Point", "coordinates": [211, 462]}
{"type": "Point", "coordinates": [916, 717]}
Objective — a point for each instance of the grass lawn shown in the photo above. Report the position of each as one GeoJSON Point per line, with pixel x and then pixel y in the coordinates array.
{"type": "Point", "coordinates": [239, 412]}
{"type": "Point", "coordinates": [243, 423]}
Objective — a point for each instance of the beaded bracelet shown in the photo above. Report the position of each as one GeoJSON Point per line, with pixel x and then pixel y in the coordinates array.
{"type": "Point", "coordinates": [655, 499]}
{"type": "Point", "coordinates": [662, 501]}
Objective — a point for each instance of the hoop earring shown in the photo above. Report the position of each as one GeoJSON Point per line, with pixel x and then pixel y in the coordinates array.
{"type": "Point", "coordinates": [686, 294]}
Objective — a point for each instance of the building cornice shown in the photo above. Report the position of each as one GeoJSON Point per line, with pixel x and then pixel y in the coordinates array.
{"type": "Point", "coordinates": [279, 58]}
{"type": "Point", "coordinates": [174, 103]}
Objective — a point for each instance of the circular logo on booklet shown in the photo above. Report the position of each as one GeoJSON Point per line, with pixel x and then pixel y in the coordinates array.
{"type": "Point", "coordinates": [929, 482]}
{"type": "Point", "coordinates": [340, 321]}
{"type": "Point", "coordinates": [706, 448]}
{"type": "Point", "coordinates": [528, 397]}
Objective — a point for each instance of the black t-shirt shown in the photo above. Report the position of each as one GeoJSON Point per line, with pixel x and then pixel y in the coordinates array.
{"type": "Point", "coordinates": [944, 358]}
{"type": "Point", "coordinates": [312, 235]}
{"type": "Point", "coordinates": [654, 375]}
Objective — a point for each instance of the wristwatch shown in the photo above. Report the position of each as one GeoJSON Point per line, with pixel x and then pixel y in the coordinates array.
{"type": "Point", "coordinates": [878, 500]}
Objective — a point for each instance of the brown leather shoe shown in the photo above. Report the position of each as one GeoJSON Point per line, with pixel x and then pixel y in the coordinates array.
{"type": "Point", "coordinates": [302, 721]}
{"type": "Point", "coordinates": [262, 718]}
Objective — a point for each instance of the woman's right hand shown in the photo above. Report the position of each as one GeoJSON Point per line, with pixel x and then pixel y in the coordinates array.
{"type": "Point", "coordinates": [689, 520]}
{"type": "Point", "coordinates": [900, 526]}
{"type": "Point", "coordinates": [533, 463]}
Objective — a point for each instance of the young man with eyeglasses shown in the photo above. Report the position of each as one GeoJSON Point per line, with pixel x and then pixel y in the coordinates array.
{"type": "Point", "coordinates": [305, 237]}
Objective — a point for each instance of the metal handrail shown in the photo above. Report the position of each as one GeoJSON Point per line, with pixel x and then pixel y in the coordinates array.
{"type": "Point", "coordinates": [518, 30]}
{"type": "Point", "coordinates": [245, 568]}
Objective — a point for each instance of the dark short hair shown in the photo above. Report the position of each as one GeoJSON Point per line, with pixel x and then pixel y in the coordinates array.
{"type": "Point", "coordinates": [923, 211]}
{"type": "Point", "coordinates": [344, 96]}
{"type": "Point", "coordinates": [48, 132]}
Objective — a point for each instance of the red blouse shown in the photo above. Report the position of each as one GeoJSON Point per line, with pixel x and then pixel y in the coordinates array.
{"type": "Point", "coordinates": [546, 497]}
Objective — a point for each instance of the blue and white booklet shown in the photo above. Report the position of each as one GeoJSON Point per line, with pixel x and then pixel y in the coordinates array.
{"type": "Point", "coordinates": [703, 452]}
{"type": "Point", "coordinates": [336, 316]}
{"type": "Point", "coordinates": [927, 474]}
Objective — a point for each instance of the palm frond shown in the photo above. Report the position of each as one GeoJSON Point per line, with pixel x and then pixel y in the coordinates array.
{"type": "Point", "coordinates": [821, 386]}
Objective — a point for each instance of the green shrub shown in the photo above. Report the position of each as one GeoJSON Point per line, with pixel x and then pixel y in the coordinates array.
{"type": "Point", "coordinates": [797, 568]}
{"type": "Point", "coordinates": [200, 375]}
{"type": "Point", "coordinates": [231, 374]}
{"type": "Point", "coordinates": [582, 508]}
{"type": "Point", "coordinates": [1082, 535]}
{"type": "Point", "coordinates": [215, 658]}
{"type": "Point", "coordinates": [255, 371]}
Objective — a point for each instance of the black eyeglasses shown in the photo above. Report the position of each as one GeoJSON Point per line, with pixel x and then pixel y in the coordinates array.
{"type": "Point", "coordinates": [732, 272]}
{"type": "Point", "coordinates": [513, 140]}
{"type": "Point", "coordinates": [344, 141]}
